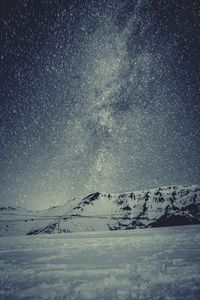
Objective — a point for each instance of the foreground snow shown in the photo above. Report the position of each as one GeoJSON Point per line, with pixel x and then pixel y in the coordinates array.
{"type": "Point", "coordinates": [159, 263]}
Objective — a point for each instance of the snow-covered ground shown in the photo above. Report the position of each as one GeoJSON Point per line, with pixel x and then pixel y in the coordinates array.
{"type": "Point", "coordinates": [156, 263]}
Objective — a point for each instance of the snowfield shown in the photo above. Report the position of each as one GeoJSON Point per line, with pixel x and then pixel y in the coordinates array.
{"type": "Point", "coordinates": [153, 263]}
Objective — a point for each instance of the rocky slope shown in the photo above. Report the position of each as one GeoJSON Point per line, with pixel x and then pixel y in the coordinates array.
{"type": "Point", "coordinates": [163, 206]}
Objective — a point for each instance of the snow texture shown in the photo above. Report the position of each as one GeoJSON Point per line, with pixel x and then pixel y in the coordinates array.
{"type": "Point", "coordinates": [154, 263]}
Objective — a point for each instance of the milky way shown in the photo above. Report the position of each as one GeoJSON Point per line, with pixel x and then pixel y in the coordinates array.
{"type": "Point", "coordinates": [97, 96]}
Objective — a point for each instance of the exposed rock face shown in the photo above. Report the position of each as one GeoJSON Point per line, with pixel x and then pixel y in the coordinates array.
{"type": "Point", "coordinates": [168, 206]}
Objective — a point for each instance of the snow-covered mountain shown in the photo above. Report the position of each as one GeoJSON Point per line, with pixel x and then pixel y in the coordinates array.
{"type": "Point", "coordinates": [163, 206]}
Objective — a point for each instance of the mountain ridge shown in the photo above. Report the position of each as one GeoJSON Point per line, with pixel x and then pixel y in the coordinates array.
{"type": "Point", "coordinates": [162, 206]}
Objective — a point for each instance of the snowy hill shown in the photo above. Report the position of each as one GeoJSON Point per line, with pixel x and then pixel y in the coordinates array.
{"type": "Point", "coordinates": [163, 206]}
{"type": "Point", "coordinates": [17, 221]}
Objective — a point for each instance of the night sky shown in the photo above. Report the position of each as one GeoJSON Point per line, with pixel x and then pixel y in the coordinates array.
{"type": "Point", "coordinates": [97, 96]}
